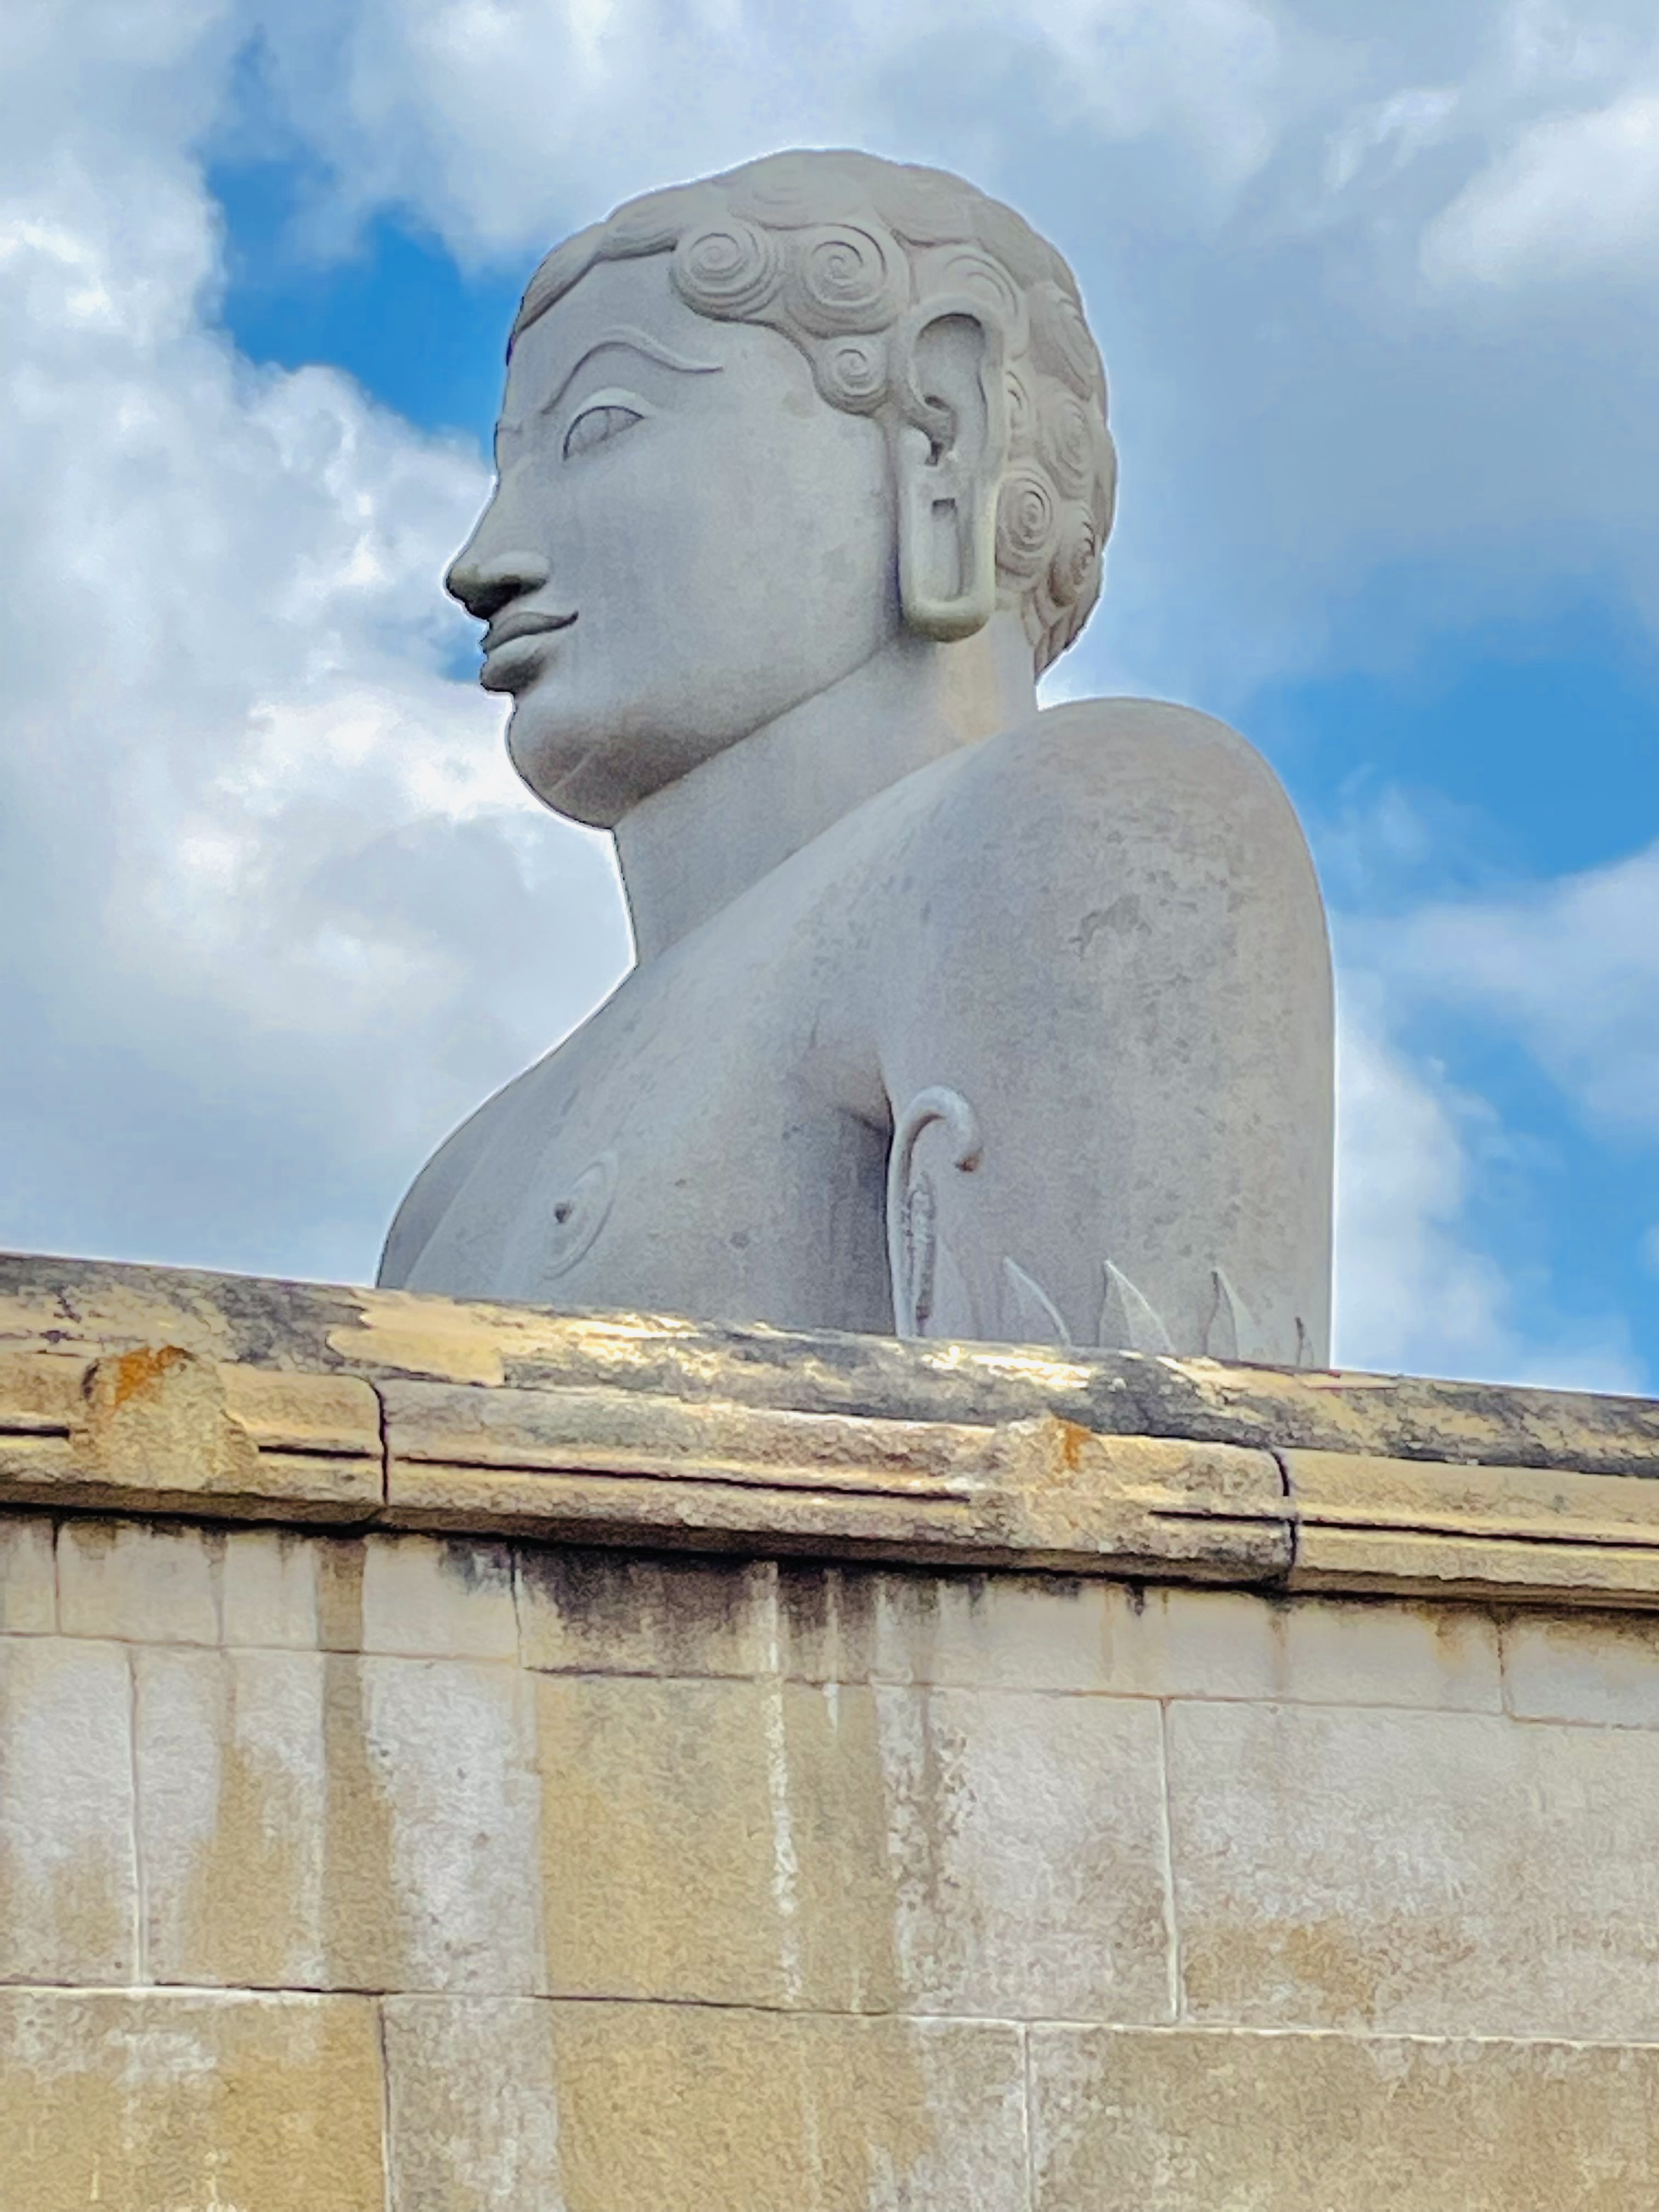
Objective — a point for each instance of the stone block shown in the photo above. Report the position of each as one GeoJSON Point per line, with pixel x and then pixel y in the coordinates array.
{"type": "Point", "coordinates": [669, 1869]}
{"type": "Point", "coordinates": [440, 1598]}
{"type": "Point", "coordinates": [593, 1609]}
{"type": "Point", "coordinates": [166, 2101]}
{"type": "Point", "coordinates": [68, 1882]}
{"type": "Point", "coordinates": [1193, 2122]}
{"type": "Point", "coordinates": [448, 1774]}
{"type": "Point", "coordinates": [318, 1438]}
{"type": "Point", "coordinates": [269, 1582]}
{"type": "Point", "coordinates": [28, 1575]}
{"type": "Point", "coordinates": [827, 1618]}
{"type": "Point", "coordinates": [1438, 1527]}
{"type": "Point", "coordinates": [239, 1828]}
{"type": "Point", "coordinates": [575, 1464]}
{"type": "Point", "coordinates": [337, 1822]}
{"type": "Point", "coordinates": [515, 2106]}
{"type": "Point", "coordinates": [850, 1847]}
{"type": "Point", "coordinates": [1603, 1668]}
{"type": "Point", "coordinates": [473, 2102]}
{"type": "Point", "coordinates": [960, 1632]}
{"type": "Point", "coordinates": [339, 1567]}
{"type": "Point", "coordinates": [145, 1582]}
{"type": "Point", "coordinates": [1174, 1642]}
{"type": "Point", "coordinates": [1434, 1655]}
{"type": "Point", "coordinates": [412, 1596]}
{"type": "Point", "coordinates": [1426, 1872]}
{"type": "Point", "coordinates": [1026, 1832]}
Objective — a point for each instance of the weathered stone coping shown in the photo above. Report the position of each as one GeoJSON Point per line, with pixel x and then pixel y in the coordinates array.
{"type": "Point", "coordinates": [143, 1391]}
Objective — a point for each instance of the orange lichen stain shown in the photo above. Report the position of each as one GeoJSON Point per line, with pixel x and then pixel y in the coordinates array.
{"type": "Point", "coordinates": [1074, 1439]}
{"type": "Point", "coordinates": [141, 1373]}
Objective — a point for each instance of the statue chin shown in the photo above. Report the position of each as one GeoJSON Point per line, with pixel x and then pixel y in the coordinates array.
{"type": "Point", "coordinates": [554, 765]}
{"type": "Point", "coordinates": [590, 771]}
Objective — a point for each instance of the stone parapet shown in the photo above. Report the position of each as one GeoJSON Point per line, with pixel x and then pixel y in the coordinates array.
{"type": "Point", "coordinates": [155, 1390]}
{"type": "Point", "coordinates": [464, 1760]}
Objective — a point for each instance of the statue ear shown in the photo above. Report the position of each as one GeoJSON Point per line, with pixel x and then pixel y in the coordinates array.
{"type": "Point", "coordinates": [948, 456]}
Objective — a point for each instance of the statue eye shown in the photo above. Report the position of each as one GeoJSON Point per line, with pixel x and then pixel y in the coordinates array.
{"type": "Point", "coordinates": [595, 424]}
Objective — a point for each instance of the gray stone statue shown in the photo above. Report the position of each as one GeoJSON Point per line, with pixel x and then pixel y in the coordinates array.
{"type": "Point", "coordinates": [950, 1017]}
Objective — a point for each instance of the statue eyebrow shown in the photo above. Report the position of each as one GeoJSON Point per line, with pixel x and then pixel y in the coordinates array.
{"type": "Point", "coordinates": [635, 341]}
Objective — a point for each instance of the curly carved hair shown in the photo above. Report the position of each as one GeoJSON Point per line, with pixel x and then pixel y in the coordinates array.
{"type": "Point", "coordinates": [832, 249]}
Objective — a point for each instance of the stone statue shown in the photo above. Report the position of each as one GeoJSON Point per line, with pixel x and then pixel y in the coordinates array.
{"type": "Point", "coordinates": [950, 1017]}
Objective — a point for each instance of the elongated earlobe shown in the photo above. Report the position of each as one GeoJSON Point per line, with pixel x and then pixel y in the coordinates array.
{"type": "Point", "coordinates": [948, 457]}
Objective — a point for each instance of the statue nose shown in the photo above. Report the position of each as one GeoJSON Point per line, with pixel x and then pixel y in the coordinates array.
{"type": "Point", "coordinates": [485, 586]}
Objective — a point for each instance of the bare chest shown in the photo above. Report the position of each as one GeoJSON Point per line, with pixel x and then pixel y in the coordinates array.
{"type": "Point", "coordinates": [705, 1145]}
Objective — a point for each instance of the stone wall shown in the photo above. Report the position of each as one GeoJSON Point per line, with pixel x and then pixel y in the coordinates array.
{"type": "Point", "coordinates": [992, 1808]}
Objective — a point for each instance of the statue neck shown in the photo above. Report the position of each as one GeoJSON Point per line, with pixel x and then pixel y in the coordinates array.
{"type": "Point", "coordinates": [693, 847]}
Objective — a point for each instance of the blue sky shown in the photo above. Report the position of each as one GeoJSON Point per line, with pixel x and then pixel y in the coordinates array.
{"type": "Point", "coordinates": [1378, 301]}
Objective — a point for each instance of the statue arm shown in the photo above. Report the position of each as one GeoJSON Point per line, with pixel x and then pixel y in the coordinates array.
{"type": "Point", "coordinates": [429, 1197]}
{"type": "Point", "coordinates": [422, 1207]}
{"type": "Point", "coordinates": [1110, 1057]}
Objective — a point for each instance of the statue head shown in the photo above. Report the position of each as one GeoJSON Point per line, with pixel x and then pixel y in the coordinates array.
{"type": "Point", "coordinates": [758, 428]}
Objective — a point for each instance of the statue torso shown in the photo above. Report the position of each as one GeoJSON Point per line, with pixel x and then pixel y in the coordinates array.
{"type": "Point", "coordinates": [713, 1141]}
{"type": "Point", "coordinates": [1096, 939]}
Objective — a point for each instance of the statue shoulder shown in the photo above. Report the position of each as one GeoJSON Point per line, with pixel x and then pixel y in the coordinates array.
{"type": "Point", "coordinates": [1131, 751]}
{"type": "Point", "coordinates": [1103, 799]}
{"type": "Point", "coordinates": [1099, 784]}
{"type": "Point", "coordinates": [435, 1188]}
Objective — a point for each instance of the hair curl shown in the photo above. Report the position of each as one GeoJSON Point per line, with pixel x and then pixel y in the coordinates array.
{"type": "Point", "coordinates": [831, 250]}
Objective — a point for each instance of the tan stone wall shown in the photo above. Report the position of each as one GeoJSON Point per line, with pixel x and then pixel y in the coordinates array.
{"type": "Point", "coordinates": [389, 1870]}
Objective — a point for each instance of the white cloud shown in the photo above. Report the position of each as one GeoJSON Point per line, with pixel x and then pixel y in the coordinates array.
{"type": "Point", "coordinates": [1416, 1293]}
{"type": "Point", "coordinates": [1380, 139]}
{"type": "Point", "coordinates": [1572, 965]}
{"type": "Point", "coordinates": [1550, 44]}
{"type": "Point", "coordinates": [1412, 1296]}
{"type": "Point", "coordinates": [504, 125]}
{"type": "Point", "coordinates": [1579, 192]}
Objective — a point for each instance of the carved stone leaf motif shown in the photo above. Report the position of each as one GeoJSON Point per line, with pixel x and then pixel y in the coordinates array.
{"type": "Point", "coordinates": [1029, 1314]}
{"type": "Point", "coordinates": [1232, 1331]}
{"type": "Point", "coordinates": [1128, 1320]}
{"type": "Point", "coordinates": [1130, 1323]}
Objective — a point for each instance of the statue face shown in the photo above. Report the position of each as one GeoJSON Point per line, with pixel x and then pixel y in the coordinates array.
{"type": "Point", "coordinates": [684, 541]}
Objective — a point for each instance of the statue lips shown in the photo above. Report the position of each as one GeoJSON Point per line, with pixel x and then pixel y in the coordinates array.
{"type": "Point", "coordinates": [520, 628]}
